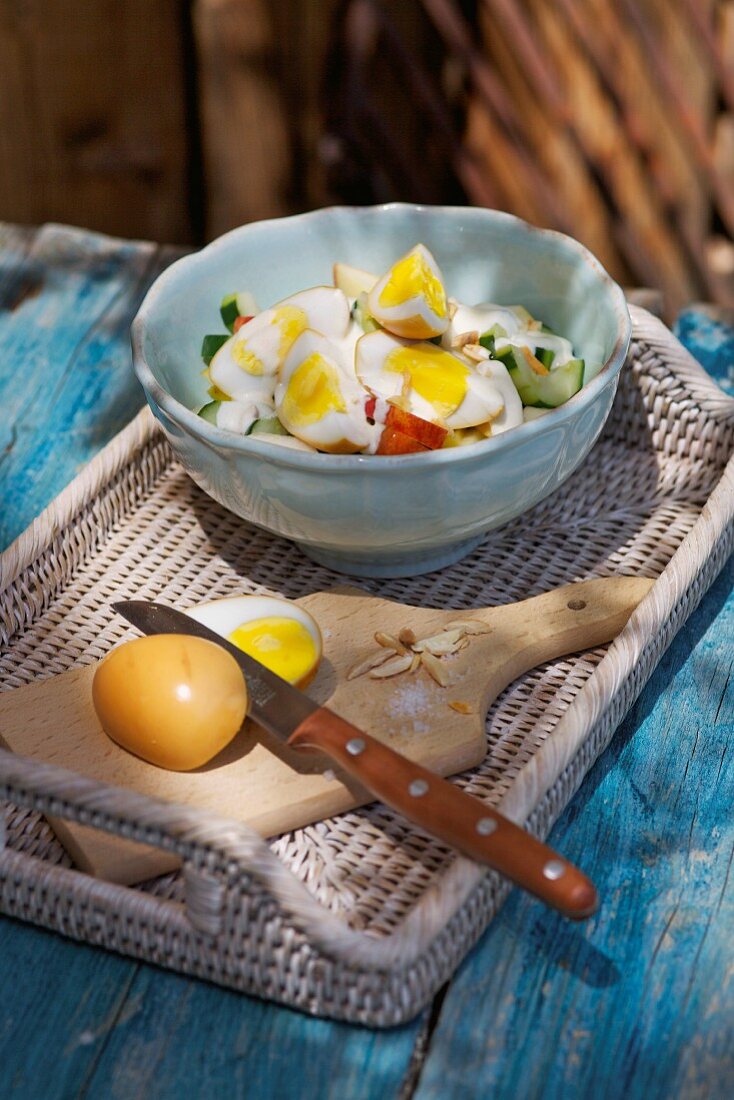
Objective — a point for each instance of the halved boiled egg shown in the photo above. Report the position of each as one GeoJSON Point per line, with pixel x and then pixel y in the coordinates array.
{"type": "Point", "coordinates": [277, 633]}
{"type": "Point", "coordinates": [246, 364]}
{"type": "Point", "coordinates": [410, 300]}
{"type": "Point", "coordinates": [318, 402]}
{"type": "Point", "coordinates": [427, 381]}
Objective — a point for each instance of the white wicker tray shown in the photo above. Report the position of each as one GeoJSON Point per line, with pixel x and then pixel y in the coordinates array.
{"type": "Point", "coordinates": [361, 917]}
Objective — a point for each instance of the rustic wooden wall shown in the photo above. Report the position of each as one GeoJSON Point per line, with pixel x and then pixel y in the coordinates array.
{"type": "Point", "coordinates": [177, 119]}
{"type": "Point", "coordinates": [93, 105]}
{"type": "Point", "coordinates": [261, 67]}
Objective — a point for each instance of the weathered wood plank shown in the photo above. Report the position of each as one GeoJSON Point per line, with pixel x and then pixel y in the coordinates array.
{"type": "Point", "coordinates": [60, 1002]}
{"type": "Point", "coordinates": [177, 1037]}
{"type": "Point", "coordinates": [93, 124]}
{"type": "Point", "coordinates": [83, 1022]}
{"type": "Point", "coordinates": [640, 1001]}
{"type": "Point", "coordinates": [66, 302]}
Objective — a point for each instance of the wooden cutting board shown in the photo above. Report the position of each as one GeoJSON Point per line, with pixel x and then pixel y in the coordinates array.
{"type": "Point", "coordinates": [274, 789]}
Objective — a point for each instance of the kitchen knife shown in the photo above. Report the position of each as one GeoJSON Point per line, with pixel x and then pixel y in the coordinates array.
{"type": "Point", "coordinates": [425, 798]}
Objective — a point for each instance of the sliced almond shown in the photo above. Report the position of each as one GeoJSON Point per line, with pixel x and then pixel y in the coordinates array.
{"type": "Point", "coordinates": [459, 707]}
{"type": "Point", "coordinates": [407, 636]}
{"type": "Point", "coordinates": [415, 663]}
{"type": "Point", "coordinates": [469, 626]}
{"type": "Point", "coordinates": [475, 352]}
{"type": "Point", "coordinates": [388, 641]}
{"type": "Point", "coordinates": [440, 645]}
{"type": "Point", "coordinates": [451, 307]}
{"type": "Point", "coordinates": [465, 338]}
{"type": "Point", "coordinates": [375, 659]}
{"type": "Point", "coordinates": [435, 669]}
{"type": "Point", "coordinates": [393, 667]}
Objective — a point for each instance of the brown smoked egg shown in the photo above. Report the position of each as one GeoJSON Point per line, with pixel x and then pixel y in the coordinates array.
{"type": "Point", "coordinates": [172, 699]}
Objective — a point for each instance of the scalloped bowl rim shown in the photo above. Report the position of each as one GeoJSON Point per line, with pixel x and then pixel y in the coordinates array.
{"type": "Point", "coordinates": [220, 438]}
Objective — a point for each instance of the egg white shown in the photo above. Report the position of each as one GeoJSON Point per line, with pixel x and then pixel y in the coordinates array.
{"type": "Point", "coordinates": [223, 616]}
{"type": "Point", "coordinates": [327, 309]}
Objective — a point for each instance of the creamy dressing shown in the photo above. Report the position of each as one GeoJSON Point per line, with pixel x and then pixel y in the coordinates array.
{"type": "Point", "coordinates": [563, 348]}
{"type": "Point", "coordinates": [239, 416]}
{"type": "Point", "coordinates": [511, 415]}
{"type": "Point", "coordinates": [482, 317]}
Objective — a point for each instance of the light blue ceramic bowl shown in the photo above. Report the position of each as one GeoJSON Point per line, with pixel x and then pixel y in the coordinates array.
{"type": "Point", "coordinates": [367, 515]}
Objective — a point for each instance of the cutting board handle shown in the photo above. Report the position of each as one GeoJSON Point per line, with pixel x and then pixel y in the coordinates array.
{"type": "Point", "coordinates": [569, 619]}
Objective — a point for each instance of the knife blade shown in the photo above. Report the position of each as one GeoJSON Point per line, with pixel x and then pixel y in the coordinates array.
{"type": "Point", "coordinates": [433, 803]}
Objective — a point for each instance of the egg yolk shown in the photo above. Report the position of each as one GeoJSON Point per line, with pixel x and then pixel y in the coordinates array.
{"type": "Point", "coordinates": [312, 392]}
{"type": "Point", "coordinates": [173, 699]}
{"type": "Point", "coordinates": [410, 278]}
{"type": "Point", "coordinates": [292, 321]}
{"type": "Point", "coordinates": [247, 359]}
{"type": "Point", "coordinates": [437, 376]}
{"type": "Point", "coordinates": [283, 645]}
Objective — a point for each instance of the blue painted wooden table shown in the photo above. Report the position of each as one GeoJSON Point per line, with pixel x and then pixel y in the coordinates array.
{"type": "Point", "coordinates": [638, 1002]}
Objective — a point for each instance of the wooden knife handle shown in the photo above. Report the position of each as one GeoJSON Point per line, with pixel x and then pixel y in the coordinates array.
{"type": "Point", "coordinates": [449, 814]}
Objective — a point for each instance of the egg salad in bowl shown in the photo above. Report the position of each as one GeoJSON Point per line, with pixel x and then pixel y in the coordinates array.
{"type": "Point", "coordinates": [358, 401]}
{"type": "Point", "coordinates": [382, 365]}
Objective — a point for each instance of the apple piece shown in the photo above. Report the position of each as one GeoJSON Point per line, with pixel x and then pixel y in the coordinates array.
{"type": "Point", "coordinates": [394, 442]}
{"type": "Point", "coordinates": [431, 436]}
{"type": "Point", "coordinates": [352, 281]}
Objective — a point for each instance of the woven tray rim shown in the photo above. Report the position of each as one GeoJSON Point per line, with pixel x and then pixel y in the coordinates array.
{"type": "Point", "coordinates": [204, 840]}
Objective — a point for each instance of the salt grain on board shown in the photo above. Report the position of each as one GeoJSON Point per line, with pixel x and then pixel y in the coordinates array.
{"type": "Point", "coordinates": [409, 702]}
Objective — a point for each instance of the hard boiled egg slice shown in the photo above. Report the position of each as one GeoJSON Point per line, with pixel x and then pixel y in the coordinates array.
{"type": "Point", "coordinates": [246, 365]}
{"type": "Point", "coordinates": [277, 633]}
{"type": "Point", "coordinates": [410, 299]}
{"type": "Point", "coordinates": [318, 402]}
{"type": "Point", "coordinates": [426, 380]}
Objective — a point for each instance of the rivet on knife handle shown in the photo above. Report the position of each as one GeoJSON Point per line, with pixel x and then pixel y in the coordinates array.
{"type": "Point", "coordinates": [449, 814]}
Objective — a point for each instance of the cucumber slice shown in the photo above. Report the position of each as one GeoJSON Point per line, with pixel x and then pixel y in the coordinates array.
{"type": "Point", "coordinates": [544, 391]}
{"type": "Point", "coordinates": [545, 356]}
{"type": "Point", "coordinates": [210, 345]}
{"type": "Point", "coordinates": [562, 383]}
{"type": "Point", "coordinates": [506, 354]}
{"type": "Point", "coordinates": [488, 338]}
{"type": "Point", "coordinates": [237, 305]}
{"type": "Point", "coordinates": [209, 412]}
{"type": "Point", "coordinates": [268, 425]}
